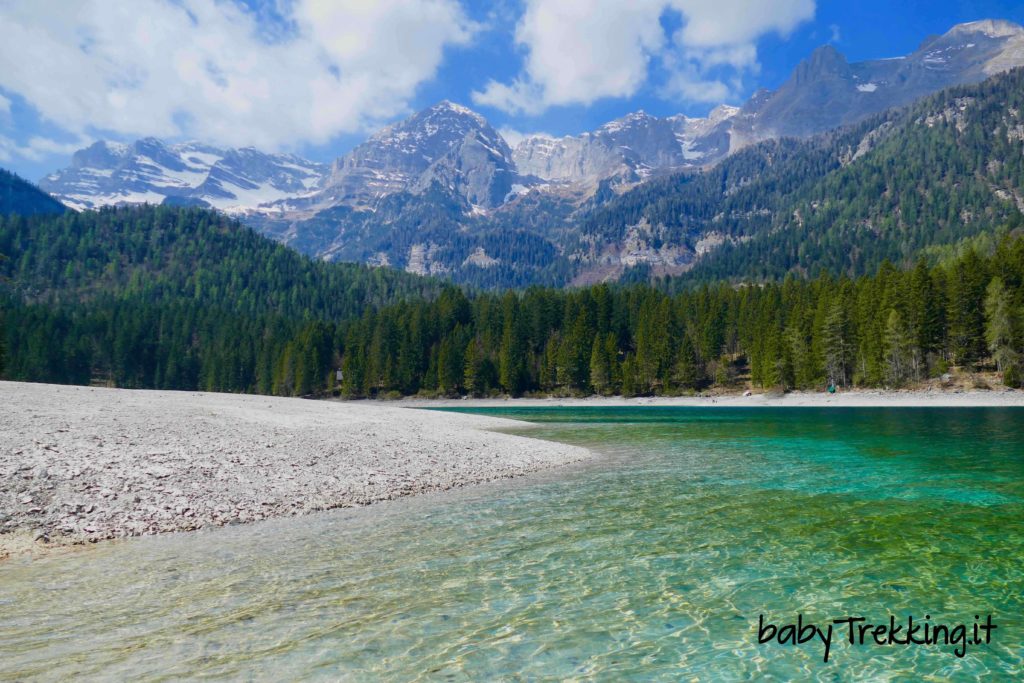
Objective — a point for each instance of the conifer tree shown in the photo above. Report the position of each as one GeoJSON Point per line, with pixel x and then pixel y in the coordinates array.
{"type": "Point", "coordinates": [800, 356]}
{"type": "Point", "coordinates": [471, 378]}
{"type": "Point", "coordinates": [600, 372]}
{"type": "Point", "coordinates": [512, 360]}
{"type": "Point", "coordinates": [1000, 325]}
{"type": "Point", "coordinates": [926, 309]}
{"type": "Point", "coordinates": [611, 350]}
{"type": "Point", "coordinates": [967, 284]}
{"type": "Point", "coordinates": [630, 385]}
{"type": "Point", "coordinates": [451, 364]}
{"type": "Point", "coordinates": [837, 344]}
{"type": "Point", "coordinates": [685, 374]}
{"type": "Point", "coordinates": [896, 343]}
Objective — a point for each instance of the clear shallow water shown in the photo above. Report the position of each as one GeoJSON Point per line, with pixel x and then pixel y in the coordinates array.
{"type": "Point", "coordinates": [651, 563]}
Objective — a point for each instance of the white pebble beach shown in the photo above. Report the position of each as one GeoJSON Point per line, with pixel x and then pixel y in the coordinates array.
{"type": "Point", "coordinates": [80, 464]}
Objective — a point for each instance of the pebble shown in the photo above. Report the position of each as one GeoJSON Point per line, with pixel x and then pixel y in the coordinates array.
{"type": "Point", "coordinates": [185, 462]}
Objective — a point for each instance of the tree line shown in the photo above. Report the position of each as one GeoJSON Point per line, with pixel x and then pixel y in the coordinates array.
{"type": "Point", "coordinates": [886, 329]}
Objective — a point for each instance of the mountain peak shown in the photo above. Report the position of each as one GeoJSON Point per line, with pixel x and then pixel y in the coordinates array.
{"type": "Point", "coordinates": [723, 112]}
{"type": "Point", "coordinates": [993, 28]}
{"type": "Point", "coordinates": [632, 119]}
{"type": "Point", "coordinates": [447, 106]}
{"type": "Point", "coordinates": [826, 55]}
{"type": "Point", "coordinates": [824, 63]}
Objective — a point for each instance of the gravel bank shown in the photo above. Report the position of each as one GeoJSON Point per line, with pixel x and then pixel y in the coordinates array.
{"type": "Point", "coordinates": [83, 464]}
{"type": "Point", "coordinates": [867, 398]}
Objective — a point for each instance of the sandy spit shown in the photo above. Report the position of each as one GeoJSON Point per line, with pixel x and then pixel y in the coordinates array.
{"type": "Point", "coordinates": [81, 464]}
{"type": "Point", "coordinates": [798, 399]}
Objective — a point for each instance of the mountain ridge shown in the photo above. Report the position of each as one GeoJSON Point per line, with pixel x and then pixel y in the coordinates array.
{"type": "Point", "coordinates": [442, 192]}
{"type": "Point", "coordinates": [151, 171]}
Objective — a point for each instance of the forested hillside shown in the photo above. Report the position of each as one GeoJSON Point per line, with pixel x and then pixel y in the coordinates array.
{"type": "Point", "coordinates": [175, 298]}
{"type": "Point", "coordinates": [20, 197]}
{"type": "Point", "coordinates": [949, 167]}
{"type": "Point", "coordinates": [165, 255]}
{"type": "Point", "coordinates": [887, 329]}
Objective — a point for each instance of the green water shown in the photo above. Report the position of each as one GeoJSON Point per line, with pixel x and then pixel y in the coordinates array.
{"type": "Point", "coordinates": [651, 562]}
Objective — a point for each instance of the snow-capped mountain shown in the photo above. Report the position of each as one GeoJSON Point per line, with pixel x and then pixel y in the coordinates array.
{"type": "Point", "coordinates": [825, 91]}
{"type": "Point", "coordinates": [148, 170]}
{"type": "Point", "coordinates": [446, 144]}
{"type": "Point", "coordinates": [456, 151]}
{"type": "Point", "coordinates": [442, 192]}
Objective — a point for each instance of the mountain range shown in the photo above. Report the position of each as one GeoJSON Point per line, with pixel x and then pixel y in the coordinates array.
{"type": "Point", "coordinates": [443, 193]}
{"type": "Point", "coordinates": [191, 173]}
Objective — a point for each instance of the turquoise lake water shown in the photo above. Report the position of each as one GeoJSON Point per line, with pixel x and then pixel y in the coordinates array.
{"type": "Point", "coordinates": [650, 562]}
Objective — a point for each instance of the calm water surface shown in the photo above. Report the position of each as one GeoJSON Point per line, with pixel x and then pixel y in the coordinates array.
{"type": "Point", "coordinates": [651, 562]}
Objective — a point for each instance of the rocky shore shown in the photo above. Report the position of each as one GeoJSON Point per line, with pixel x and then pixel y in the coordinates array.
{"type": "Point", "coordinates": [81, 464]}
{"type": "Point", "coordinates": [861, 398]}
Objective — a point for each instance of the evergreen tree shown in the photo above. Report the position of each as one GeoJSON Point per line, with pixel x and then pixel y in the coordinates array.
{"type": "Point", "coordinates": [801, 358]}
{"type": "Point", "coordinates": [1000, 326]}
{"type": "Point", "coordinates": [837, 344]}
{"type": "Point", "coordinates": [471, 377]}
{"type": "Point", "coordinates": [926, 309]}
{"type": "Point", "coordinates": [897, 343]}
{"type": "Point", "coordinates": [451, 364]}
{"type": "Point", "coordinates": [512, 357]}
{"type": "Point", "coordinates": [685, 375]}
{"type": "Point", "coordinates": [967, 282]}
{"type": "Point", "coordinates": [600, 371]}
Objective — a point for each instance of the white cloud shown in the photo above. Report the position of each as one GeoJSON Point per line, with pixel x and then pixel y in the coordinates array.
{"type": "Point", "coordinates": [718, 23]}
{"type": "Point", "coordinates": [5, 105]}
{"type": "Point", "coordinates": [214, 71]}
{"type": "Point", "coordinates": [686, 83]}
{"type": "Point", "coordinates": [579, 51]}
{"type": "Point", "coordinates": [834, 30]}
{"type": "Point", "coordinates": [38, 148]}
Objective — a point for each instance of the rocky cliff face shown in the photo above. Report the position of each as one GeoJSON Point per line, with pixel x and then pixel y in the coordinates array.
{"type": "Point", "coordinates": [632, 148]}
{"type": "Point", "coordinates": [446, 144]}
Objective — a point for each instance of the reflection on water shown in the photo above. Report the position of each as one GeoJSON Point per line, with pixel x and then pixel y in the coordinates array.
{"type": "Point", "coordinates": [651, 563]}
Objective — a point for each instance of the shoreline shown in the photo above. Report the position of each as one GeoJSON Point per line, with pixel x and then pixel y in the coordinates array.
{"type": "Point", "coordinates": [84, 464]}
{"type": "Point", "coordinates": [867, 398]}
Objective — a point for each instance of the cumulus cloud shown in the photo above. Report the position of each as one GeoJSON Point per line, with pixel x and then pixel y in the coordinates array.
{"type": "Point", "coordinates": [219, 72]}
{"type": "Point", "coordinates": [37, 147]}
{"type": "Point", "coordinates": [579, 51]}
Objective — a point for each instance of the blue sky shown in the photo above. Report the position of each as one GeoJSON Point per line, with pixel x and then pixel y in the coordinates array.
{"type": "Point", "coordinates": [316, 77]}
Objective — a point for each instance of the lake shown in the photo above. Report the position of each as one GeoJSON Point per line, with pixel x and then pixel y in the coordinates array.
{"type": "Point", "coordinates": [653, 561]}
